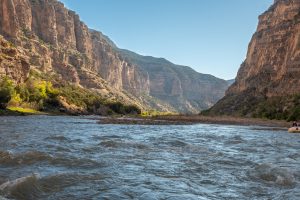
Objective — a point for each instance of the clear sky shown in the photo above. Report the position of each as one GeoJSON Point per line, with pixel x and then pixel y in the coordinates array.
{"type": "Point", "coordinates": [210, 36]}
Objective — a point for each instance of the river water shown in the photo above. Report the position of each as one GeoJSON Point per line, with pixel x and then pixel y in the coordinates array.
{"type": "Point", "coordinates": [44, 157]}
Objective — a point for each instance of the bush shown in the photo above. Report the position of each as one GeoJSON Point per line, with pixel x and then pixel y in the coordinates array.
{"type": "Point", "coordinates": [41, 95]}
{"type": "Point", "coordinates": [7, 90]}
{"type": "Point", "coordinates": [15, 99]}
{"type": "Point", "coordinates": [23, 91]}
{"type": "Point", "coordinates": [120, 108]}
{"type": "Point", "coordinates": [255, 105]}
{"type": "Point", "coordinates": [295, 115]}
{"type": "Point", "coordinates": [33, 93]}
{"type": "Point", "coordinates": [132, 109]}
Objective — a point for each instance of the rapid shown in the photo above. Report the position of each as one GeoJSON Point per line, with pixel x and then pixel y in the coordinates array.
{"type": "Point", "coordinates": [63, 157]}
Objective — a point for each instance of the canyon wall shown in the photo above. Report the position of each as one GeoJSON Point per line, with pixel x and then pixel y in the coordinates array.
{"type": "Point", "coordinates": [53, 40]}
{"type": "Point", "coordinates": [180, 87]}
{"type": "Point", "coordinates": [272, 67]}
{"type": "Point", "coordinates": [57, 42]}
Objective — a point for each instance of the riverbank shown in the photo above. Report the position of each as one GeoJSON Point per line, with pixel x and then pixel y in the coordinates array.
{"type": "Point", "coordinates": [193, 119]}
{"type": "Point", "coordinates": [8, 112]}
{"type": "Point", "coordinates": [160, 119]}
{"type": "Point", "coordinates": [137, 120]}
{"type": "Point", "coordinates": [19, 111]}
{"type": "Point", "coordinates": [228, 120]}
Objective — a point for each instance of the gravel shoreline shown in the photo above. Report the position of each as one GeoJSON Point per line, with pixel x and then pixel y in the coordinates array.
{"type": "Point", "coordinates": [193, 119]}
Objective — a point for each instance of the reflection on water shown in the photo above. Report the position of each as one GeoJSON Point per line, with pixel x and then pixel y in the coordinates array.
{"type": "Point", "coordinates": [43, 157]}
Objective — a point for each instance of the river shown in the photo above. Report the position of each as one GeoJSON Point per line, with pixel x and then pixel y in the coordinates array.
{"type": "Point", "coordinates": [59, 157]}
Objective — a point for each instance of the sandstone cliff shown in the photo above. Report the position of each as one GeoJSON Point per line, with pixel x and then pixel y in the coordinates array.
{"type": "Point", "coordinates": [181, 87]}
{"type": "Point", "coordinates": [13, 62]}
{"type": "Point", "coordinates": [272, 68]}
{"type": "Point", "coordinates": [54, 41]}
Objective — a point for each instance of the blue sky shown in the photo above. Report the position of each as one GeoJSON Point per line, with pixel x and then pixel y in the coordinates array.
{"type": "Point", "coordinates": [210, 36]}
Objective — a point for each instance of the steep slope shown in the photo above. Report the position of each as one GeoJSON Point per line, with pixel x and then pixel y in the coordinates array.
{"type": "Point", "coordinates": [181, 87]}
{"type": "Point", "coordinates": [268, 84]}
{"type": "Point", "coordinates": [54, 41]}
{"type": "Point", "coordinates": [231, 81]}
{"type": "Point", "coordinates": [13, 62]}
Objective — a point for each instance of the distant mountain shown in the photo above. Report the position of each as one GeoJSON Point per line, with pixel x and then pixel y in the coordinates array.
{"type": "Point", "coordinates": [268, 84]}
{"type": "Point", "coordinates": [231, 81]}
{"type": "Point", "coordinates": [52, 41]}
{"type": "Point", "coordinates": [181, 87]}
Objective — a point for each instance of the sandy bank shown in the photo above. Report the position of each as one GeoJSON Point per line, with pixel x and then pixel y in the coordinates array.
{"type": "Point", "coordinates": [193, 119]}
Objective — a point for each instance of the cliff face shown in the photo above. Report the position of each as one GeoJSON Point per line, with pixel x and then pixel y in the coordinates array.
{"type": "Point", "coordinates": [55, 41]}
{"type": "Point", "coordinates": [181, 87]}
{"type": "Point", "coordinates": [13, 63]}
{"type": "Point", "coordinates": [272, 66]}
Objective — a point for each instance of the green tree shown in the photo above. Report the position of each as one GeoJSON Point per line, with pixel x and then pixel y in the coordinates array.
{"type": "Point", "coordinates": [295, 114]}
{"type": "Point", "coordinates": [7, 89]}
{"type": "Point", "coordinates": [22, 89]}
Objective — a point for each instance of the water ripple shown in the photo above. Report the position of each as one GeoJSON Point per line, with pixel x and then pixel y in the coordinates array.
{"type": "Point", "coordinates": [49, 158]}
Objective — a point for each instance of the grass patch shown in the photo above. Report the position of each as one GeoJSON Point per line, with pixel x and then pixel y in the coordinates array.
{"type": "Point", "coordinates": [9, 113]}
{"type": "Point", "coordinates": [28, 111]}
{"type": "Point", "coordinates": [154, 113]}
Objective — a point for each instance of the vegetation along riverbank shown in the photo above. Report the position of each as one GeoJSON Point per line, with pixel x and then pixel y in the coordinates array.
{"type": "Point", "coordinates": [40, 96]}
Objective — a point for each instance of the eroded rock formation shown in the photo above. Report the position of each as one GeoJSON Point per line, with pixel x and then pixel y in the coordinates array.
{"type": "Point", "coordinates": [181, 87]}
{"type": "Point", "coordinates": [55, 41]}
{"type": "Point", "coordinates": [272, 66]}
{"type": "Point", "coordinates": [13, 63]}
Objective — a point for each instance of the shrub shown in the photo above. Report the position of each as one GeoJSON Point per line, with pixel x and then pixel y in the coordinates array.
{"type": "Point", "coordinates": [15, 100]}
{"type": "Point", "coordinates": [117, 107]}
{"type": "Point", "coordinates": [295, 115]}
{"type": "Point", "coordinates": [41, 95]}
{"type": "Point", "coordinates": [132, 109]}
{"type": "Point", "coordinates": [7, 90]}
{"type": "Point", "coordinates": [120, 108]}
{"type": "Point", "coordinates": [23, 91]}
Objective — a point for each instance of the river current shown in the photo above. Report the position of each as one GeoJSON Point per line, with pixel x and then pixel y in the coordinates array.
{"type": "Point", "coordinates": [53, 158]}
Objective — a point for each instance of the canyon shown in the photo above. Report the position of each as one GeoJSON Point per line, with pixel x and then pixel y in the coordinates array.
{"type": "Point", "coordinates": [45, 37]}
{"type": "Point", "coordinates": [268, 84]}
